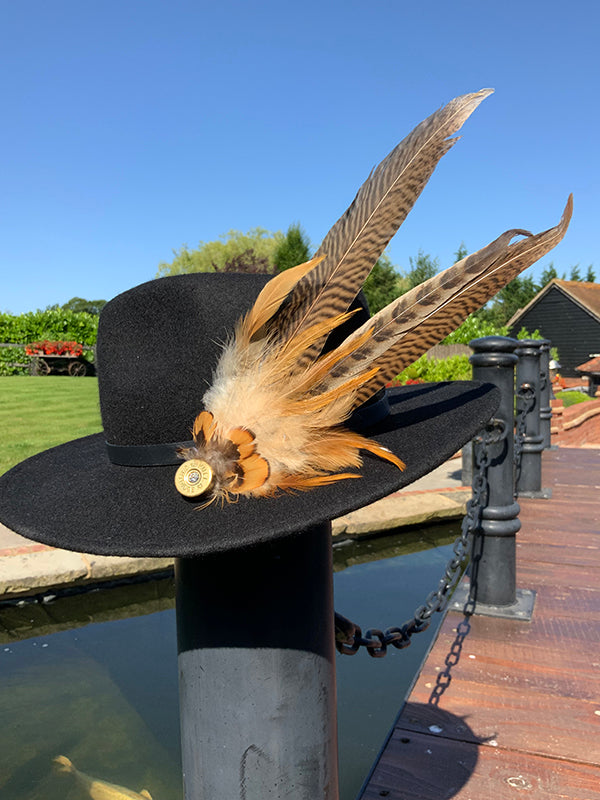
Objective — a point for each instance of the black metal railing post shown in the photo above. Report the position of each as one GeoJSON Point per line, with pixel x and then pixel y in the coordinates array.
{"type": "Point", "coordinates": [257, 671]}
{"type": "Point", "coordinates": [493, 360]}
{"type": "Point", "coordinates": [545, 393]}
{"type": "Point", "coordinates": [529, 466]}
{"type": "Point", "coordinates": [492, 589]}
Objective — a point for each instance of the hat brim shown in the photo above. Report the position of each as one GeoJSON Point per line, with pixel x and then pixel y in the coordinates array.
{"type": "Point", "coordinates": [72, 497]}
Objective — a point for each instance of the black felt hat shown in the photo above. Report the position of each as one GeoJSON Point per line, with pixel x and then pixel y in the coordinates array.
{"type": "Point", "coordinates": [157, 347]}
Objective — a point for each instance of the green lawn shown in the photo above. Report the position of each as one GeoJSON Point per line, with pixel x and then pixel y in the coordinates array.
{"type": "Point", "coordinates": [571, 398]}
{"type": "Point", "coordinates": [41, 412]}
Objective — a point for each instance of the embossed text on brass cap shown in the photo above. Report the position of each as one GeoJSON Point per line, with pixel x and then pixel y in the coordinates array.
{"type": "Point", "coordinates": [193, 478]}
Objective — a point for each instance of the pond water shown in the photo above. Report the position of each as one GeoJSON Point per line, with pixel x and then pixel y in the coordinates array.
{"type": "Point", "coordinates": [93, 676]}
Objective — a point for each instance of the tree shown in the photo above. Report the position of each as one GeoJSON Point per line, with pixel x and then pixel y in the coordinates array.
{"type": "Point", "coordinates": [422, 268]}
{"type": "Point", "coordinates": [78, 305]}
{"type": "Point", "coordinates": [590, 276]}
{"type": "Point", "coordinates": [575, 273]}
{"type": "Point", "coordinates": [461, 252]}
{"type": "Point", "coordinates": [247, 261]}
{"type": "Point", "coordinates": [383, 285]}
{"type": "Point", "coordinates": [221, 251]}
{"type": "Point", "coordinates": [293, 249]}
{"type": "Point", "coordinates": [474, 327]}
{"type": "Point", "coordinates": [509, 300]}
{"type": "Point", "coordinates": [548, 274]}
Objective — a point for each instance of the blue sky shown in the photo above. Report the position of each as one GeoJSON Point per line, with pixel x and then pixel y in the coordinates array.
{"type": "Point", "coordinates": [132, 127]}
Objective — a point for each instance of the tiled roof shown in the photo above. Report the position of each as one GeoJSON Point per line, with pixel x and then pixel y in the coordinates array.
{"type": "Point", "coordinates": [593, 365]}
{"type": "Point", "coordinates": [588, 294]}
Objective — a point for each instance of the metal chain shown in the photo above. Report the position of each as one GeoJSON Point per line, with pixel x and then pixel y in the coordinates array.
{"type": "Point", "coordinates": [348, 635]}
{"type": "Point", "coordinates": [444, 677]}
{"type": "Point", "coordinates": [525, 398]}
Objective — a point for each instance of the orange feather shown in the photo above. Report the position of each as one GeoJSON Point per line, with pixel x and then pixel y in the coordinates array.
{"type": "Point", "coordinates": [274, 293]}
{"type": "Point", "coordinates": [255, 473]}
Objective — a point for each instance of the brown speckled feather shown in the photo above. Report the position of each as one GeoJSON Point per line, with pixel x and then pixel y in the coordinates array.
{"type": "Point", "coordinates": [409, 326]}
{"type": "Point", "coordinates": [358, 238]}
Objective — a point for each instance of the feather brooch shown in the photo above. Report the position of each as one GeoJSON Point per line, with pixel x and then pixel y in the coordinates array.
{"type": "Point", "coordinates": [275, 413]}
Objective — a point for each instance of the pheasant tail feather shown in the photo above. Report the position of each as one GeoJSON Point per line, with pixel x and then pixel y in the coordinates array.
{"type": "Point", "coordinates": [409, 327]}
{"type": "Point", "coordinates": [356, 241]}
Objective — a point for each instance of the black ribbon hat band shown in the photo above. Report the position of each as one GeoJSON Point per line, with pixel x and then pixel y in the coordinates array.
{"type": "Point", "coordinates": [161, 455]}
{"type": "Point", "coordinates": [146, 455]}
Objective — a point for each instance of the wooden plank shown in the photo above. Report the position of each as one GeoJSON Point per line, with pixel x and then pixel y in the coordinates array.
{"type": "Point", "coordinates": [527, 707]}
{"type": "Point", "coordinates": [536, 510]}
{"type": "Point", "coordinates": [423, 767]}
{"type": "Point", "coordinates": [520, 646]}
{"type": "Point", "coordinates": [559, 525]}
{"type": "Point", "coordinates": [568, 517]}
{"type": "Point", "coordinates": [570, 576]}
{"type": "Point", "coordinates": [576, 514]}
{"type": "Point", "coordinates": [568, 552]}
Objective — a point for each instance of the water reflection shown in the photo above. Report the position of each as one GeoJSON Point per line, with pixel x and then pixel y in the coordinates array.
{"type": "Point", "coordinates": [94, 675]}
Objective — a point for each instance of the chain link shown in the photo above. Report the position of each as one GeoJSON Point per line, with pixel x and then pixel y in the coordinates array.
{"type": "Point", "coordinates": [525, 398]}
{"type": "Point", "coordinates": [349, 637]}
{"type": "Point", "coordinates": [444, 677]}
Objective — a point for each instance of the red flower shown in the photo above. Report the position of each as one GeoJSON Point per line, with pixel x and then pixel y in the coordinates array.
{"type": "Point", "coordinates": [50, 348]}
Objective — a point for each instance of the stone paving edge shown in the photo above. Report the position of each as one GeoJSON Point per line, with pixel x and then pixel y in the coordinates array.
{"type": "Point", "coordinates": [37, 568]}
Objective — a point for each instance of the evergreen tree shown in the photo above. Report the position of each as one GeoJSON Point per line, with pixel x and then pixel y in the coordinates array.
{"type": "Point", "coordinates": [548, 274]}
{"type": "Point", "coordinates": [575, 273]}
{"type": "Point", "coordinates": [461, 252]}
{"type": "Point", "coordinates": [590, 275]}
{"type": "Point", "coordinates": [293, 249]}
{"type": "Point", "coordinates": [383, 285]}
{"type": "Point", "coordinates": [422, 268]}
{"type": "Point", "coordinates": [509, 300]}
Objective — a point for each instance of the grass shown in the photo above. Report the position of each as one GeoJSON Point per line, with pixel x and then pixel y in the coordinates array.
{"type": "Point", "coordinates": [571, 398]}
{"type": "Point", "coordinates": [41, 412]}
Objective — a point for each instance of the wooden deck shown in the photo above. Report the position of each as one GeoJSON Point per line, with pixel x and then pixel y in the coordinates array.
{"type": "Point", "coordinates": [506, 708]}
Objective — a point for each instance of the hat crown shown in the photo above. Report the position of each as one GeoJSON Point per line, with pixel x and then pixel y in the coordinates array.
{"type": "Point", "coordinates": [158, 346]}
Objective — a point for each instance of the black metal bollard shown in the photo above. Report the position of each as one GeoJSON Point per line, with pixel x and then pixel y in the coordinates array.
{"type": "Point", "coordinates": [493, 589]}
{"type": "Point", "coordinates": [494, 360]}
{"type": "Point", "coordinates": [257, 671]}
{"type": "Point", "coordinates": [529, 467]}
{"type": "Point", "coordinates": [545, 393]}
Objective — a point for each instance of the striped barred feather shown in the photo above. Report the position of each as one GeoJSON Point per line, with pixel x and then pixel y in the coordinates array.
{"type": "Point", "coordinates": [359, 237]}
{"type": "Point", "coordinates": [407, 328]}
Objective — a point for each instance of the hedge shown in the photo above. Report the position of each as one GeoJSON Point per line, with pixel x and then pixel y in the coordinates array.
{"type": "Point", "coordinates": [36, 325]}
{"type": "Point", "coordinates": [454, 368]}
{"type": "Point", "coordinates": [57, 324]}
{"type": "Point", "coordinates": [10, 357]}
